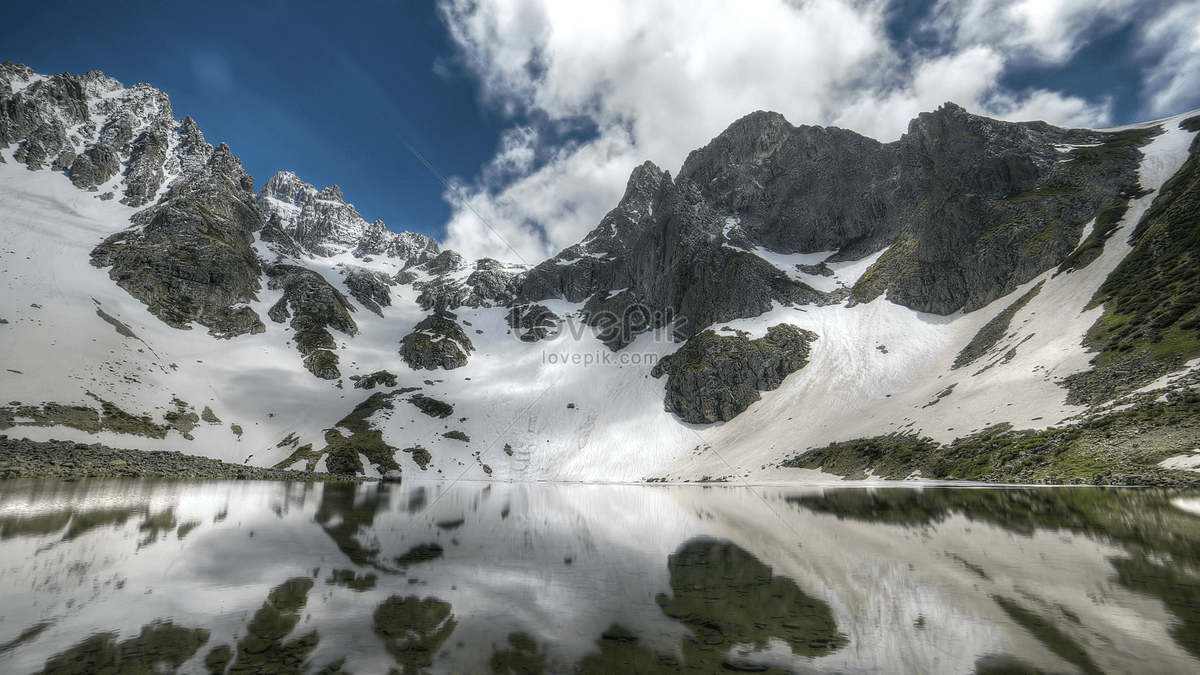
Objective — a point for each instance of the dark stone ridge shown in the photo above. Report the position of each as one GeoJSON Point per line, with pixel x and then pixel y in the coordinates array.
{"type": "Point", "coordinates": [969, 209]}
{"type": "Point", "coordinates": [436, 342]}
{"type": "Point", "coordinates": [315, 306]}
{"type": "Point", "coordinates": [369, 287]}
{"type": "Point", "coordinates": [533, 322]}
{"type": "Point", "coordinates": [662, 256]}
{"type": "Point", "coordinates": [715, 377]}
{"type": "Point", "coordinates": [190, 257]}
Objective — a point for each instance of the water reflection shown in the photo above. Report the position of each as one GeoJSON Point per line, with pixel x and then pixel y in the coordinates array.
{"type": "Point", "coordinates": [241, 577]}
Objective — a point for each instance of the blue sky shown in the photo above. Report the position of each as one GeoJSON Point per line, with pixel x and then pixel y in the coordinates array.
{"type": "Point", "coordinates": [536, 110]}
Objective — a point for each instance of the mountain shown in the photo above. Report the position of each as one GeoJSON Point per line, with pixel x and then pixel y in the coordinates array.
{"type": "Point", "coordinates": [978, 299]}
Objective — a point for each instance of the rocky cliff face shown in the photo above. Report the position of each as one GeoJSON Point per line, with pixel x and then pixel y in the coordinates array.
{"type": "Point", "coordinates": [314, 306]}
{"type": "Point", "coordinates": [967, 208]}
{"type": "Point", "coordinates": [321, 222]}
{"type": "Point", "coordinates": [91, 127]}
{"type": "Point", "coordinates": [190, 257]}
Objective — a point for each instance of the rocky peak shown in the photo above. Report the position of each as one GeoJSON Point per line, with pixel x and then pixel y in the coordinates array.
{"type": "Point", "coordinates": [322, 223]}
{"type": "Point", "coordinates": [331, 193]}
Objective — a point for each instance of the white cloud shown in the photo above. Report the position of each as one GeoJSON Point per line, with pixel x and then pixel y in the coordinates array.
{"type": "Point", "coordinates": [1174, 83]}
{"type": "Point", "coordinates": [967, 78]}
{"type": "Point", "coordinates": [547, 210]}
{"type": "Point", "coordinates": [1049, 31]}
{"type": "Point", "coordinates": [659, 78]}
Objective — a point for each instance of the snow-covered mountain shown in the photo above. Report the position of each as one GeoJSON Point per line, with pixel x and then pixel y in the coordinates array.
{"type": "Point", "coordinates": [791, 287]}
{"type": "Point", "coordinates": [323, 223]}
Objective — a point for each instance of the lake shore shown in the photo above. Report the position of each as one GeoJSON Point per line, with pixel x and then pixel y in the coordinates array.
{"type": "Point", "coordinates": [23, 458]}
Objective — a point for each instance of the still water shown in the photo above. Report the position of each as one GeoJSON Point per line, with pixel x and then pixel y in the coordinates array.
{"type": "Point", "coordinates": [126, 576]}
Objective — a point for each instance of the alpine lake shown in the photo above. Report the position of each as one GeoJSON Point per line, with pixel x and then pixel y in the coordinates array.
{"type": "Point", "coordinates": [162, 576]}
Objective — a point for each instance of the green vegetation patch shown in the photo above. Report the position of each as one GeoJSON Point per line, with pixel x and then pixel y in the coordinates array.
{"type": "Point", "coordinates": [348, 579]}
{"type": "Point", "coordinates": [520, 658]}
{"type": "Point", "coordinates": [715, 377]}
{"type": "Point", "coordinates": [183, 418]}
{"type": "Point", "coordinates": [342, 452]}
{"type": "Point", "coordinates": [324, 364]}
{"type": "Point", "coordinates": [28, 635]}
{"type": "Point", "coordinates": [419, 554]}
{"type": "Point", "coordinates": [437, 341]}
{"type": "Point", "coordinates": [1121, 447]}
{"type": "Point", "coordinates": [85, 418]}
{"type": "Point", "coordinates": [1092, 246]}
{"type": "Point", "coordinates": [994, 330]}
{"type": "Point", "coordinates": [420, 456]}
{"type": "Point", "coordinates": [1151, 320]}
{"type": "Point", "coordinates": [264, 649]}
{"type": "Point", "coordinates": [725, 598]}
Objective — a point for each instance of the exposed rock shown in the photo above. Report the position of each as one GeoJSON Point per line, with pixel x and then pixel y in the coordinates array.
{"type": "Point", "coordinates": [995, 330]}
{"type": "Point", "coordinates": [969, 208]}
{"type": "Point", "coordinates": [323, 363]}
{"type": "Point", "coordinates": [280, 242]}
{"type": "Point", "coordinates": [714, 378]}
{"type": "Point", "coordinates": [144, 173]}
{"type": "Point", "coordinates": [99, 164]}
{"type": "Point", "coordinates": [190, 258]}
{"type": "Point", "coordinates": [369, 287]}
{"type": "Point", "coordinates": [379, 377]}
{"type": "Point", "coordinates": [314, 306]}
{"type": "Point", "coordinates": [322, 223]}
{"type": "Point", "coordinates": [436, 342]}
{"type": "Point", "coordinates": [533, 322]}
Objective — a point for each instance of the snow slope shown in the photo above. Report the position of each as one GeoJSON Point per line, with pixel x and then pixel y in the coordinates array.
{"type": "Point", "coordinates": [567, 407]}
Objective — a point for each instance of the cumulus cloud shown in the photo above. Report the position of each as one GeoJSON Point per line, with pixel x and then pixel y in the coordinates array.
{"type": "Point", "coordinates": [967, 78]}
{"type": "Point", "coordinates": [659, 78]}
{"type": "Point", "coordinates": [1050, 31]}
{"type": "Point", "coordinates": [1173, 84]}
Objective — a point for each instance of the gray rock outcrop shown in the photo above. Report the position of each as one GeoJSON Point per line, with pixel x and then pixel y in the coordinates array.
{"type": "Point", "coordinates": [56, 121]}
{"type": "Point", "coordinates": [714, 378]}
{"type": "Point", "coordinates": [314, 306]}
{"type": "Point", "coordinates": [322, 223]}
{"type": "Point", "coordinates": [533, 322]}
{"type": "Point", "coordinates": [190, 257]}
{"type": "Point", "coordinates": [371, 288]}
{"type": "Point", "coordinates": [437, 341]}
{"type": "Point", "coordinates": [442, 286]}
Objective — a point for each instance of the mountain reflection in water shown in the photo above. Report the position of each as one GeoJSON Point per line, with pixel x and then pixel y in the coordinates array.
{"type": "Point", "coordinates": [241, 577]}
